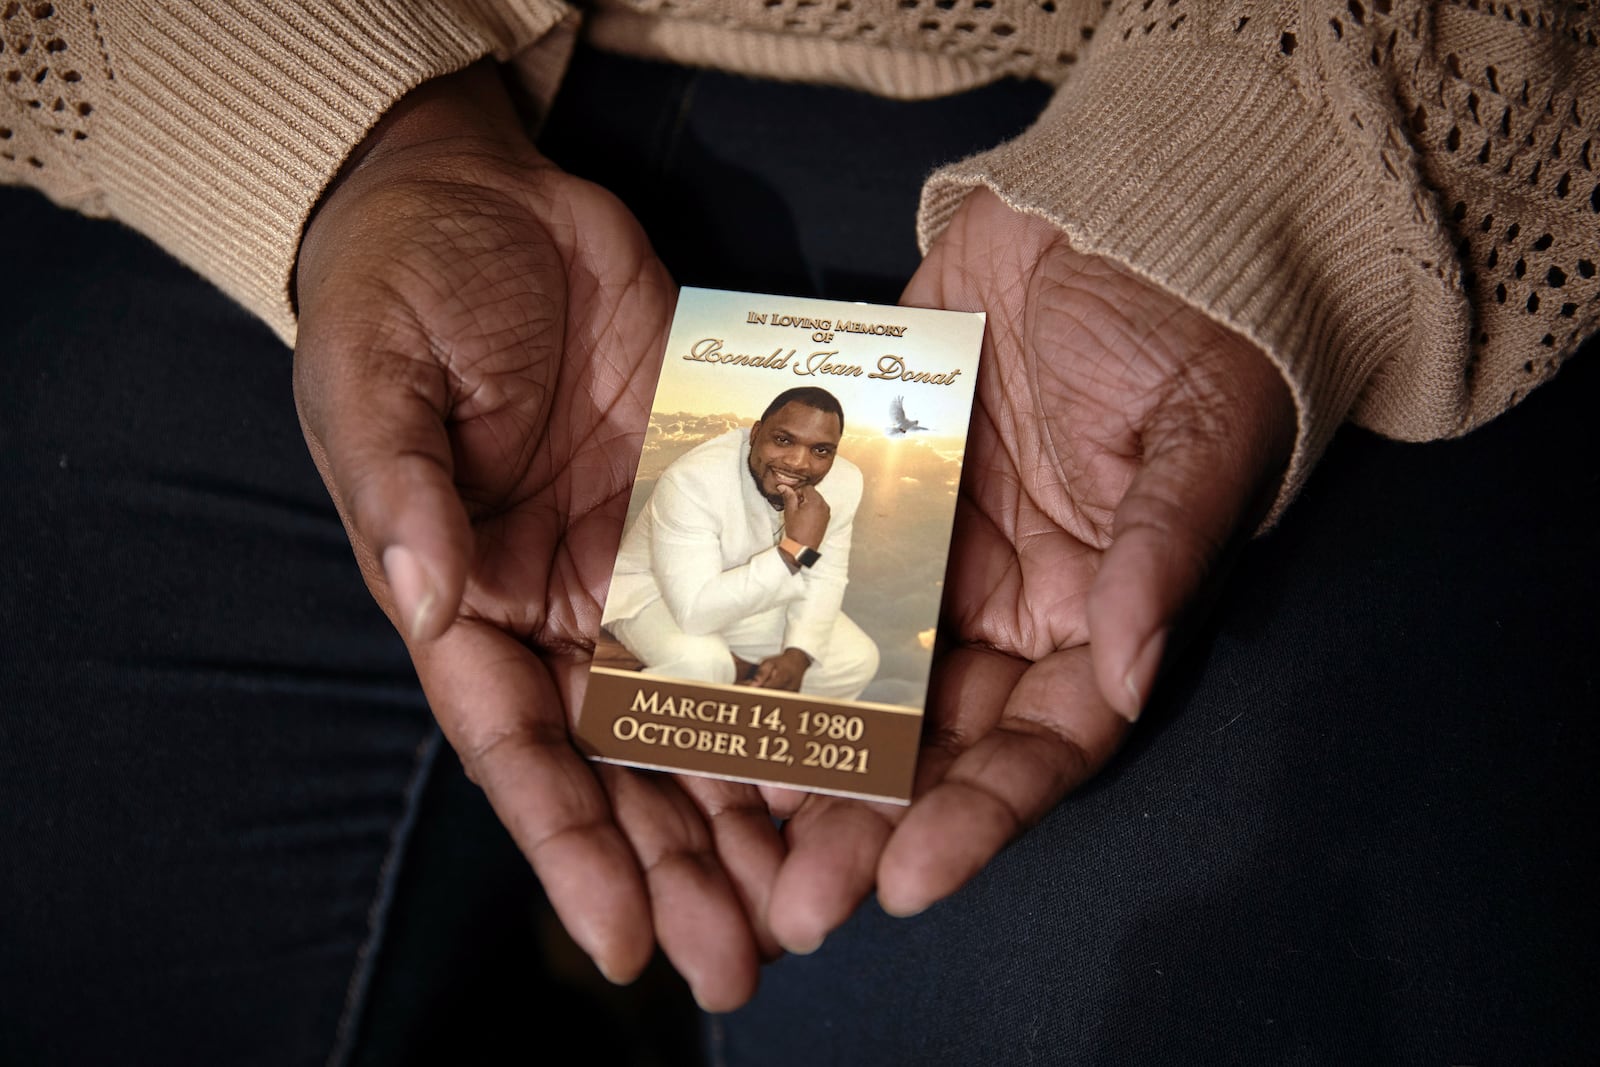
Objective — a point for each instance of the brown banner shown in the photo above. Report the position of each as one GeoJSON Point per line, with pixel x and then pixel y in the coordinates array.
{"type": "Point", "coordinates": [750, 735]}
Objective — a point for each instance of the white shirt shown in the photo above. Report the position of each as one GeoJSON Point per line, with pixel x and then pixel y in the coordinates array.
{"type": "Point", "coordinates": [707, 544]}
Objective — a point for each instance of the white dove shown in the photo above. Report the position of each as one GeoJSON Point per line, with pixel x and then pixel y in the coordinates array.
{"type": "Point", "coordinates": [899, 423]}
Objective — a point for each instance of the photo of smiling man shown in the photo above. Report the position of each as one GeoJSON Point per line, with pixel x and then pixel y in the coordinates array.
{"type": "Point", "coordinates": [735, 570]}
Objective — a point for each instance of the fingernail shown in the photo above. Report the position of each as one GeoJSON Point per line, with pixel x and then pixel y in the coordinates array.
{"type": "Point", "coordinates": [806, 948]}
{"type": "Point", "coordinates": [414, 594]}
{"type": "Point", "coordinates": [607, 975]}
{"type": "Point", "coordinates": [1142, 675]}
{"type": "Point", "coordinates": [903, 912]}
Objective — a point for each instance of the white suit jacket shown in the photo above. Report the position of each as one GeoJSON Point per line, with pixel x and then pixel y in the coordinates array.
{"type": "Point", "coordinates": [707, 544]}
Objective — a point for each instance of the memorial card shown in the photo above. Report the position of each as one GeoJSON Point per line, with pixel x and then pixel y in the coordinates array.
{"type": "Point", "coordinates": [772, 611]}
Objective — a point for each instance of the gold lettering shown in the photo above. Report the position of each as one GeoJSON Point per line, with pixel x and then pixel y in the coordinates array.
{"type": "Point", "coordinates": [709, 350]}
{"type": "Point", "coordinates": [877, 329]}
{"type": "Point", "coordinates": [800, 322]}
{"type": "Point", "coordinates": [627, 728]}
{"type": "Point", "coordinates": [818, 364]}
{"type": "Point", "coordinates": [893, 368]}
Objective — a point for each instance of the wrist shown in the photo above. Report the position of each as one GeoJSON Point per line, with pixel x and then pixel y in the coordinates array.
{"type": "Point", "coordinates": [459, 129]}
{"type": "Point", "coordinates": [801, 553]}
{"type": "Point", "coordinates": [467, 108]}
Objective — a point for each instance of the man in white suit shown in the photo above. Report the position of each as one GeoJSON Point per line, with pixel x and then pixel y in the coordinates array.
{"type": "Point", "coordinates": [735, 570]}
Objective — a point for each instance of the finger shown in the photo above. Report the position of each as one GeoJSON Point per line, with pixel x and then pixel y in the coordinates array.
{"type": "Point", "coordinates": [748, 843]}
{"type": "Point", "coordinates": [500, 709]}
{"type": "Point", "coordinates": [834, 845]}
{"type": "Point", "coordinates": [782, 802]}
{"type": "Point", "coordinates": [762, 675]}
{"type": "Point", "coordinates": [374, 421]}
{"type": "Point", "coordinates": [699, 918]}
{"type": "Point", "coordinates": [1054, 733]}
{"type": "Point", "coordinates": [968, 697]}
{"type": "Point", "coordinates": [1213, 455]}
{"type": "Point", "coordinates": [790, 498]}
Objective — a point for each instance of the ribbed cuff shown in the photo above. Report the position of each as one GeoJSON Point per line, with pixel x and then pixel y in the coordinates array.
{"type": "Point", "coordinates": [1213, 176]}
{"type": "Point", "coordinates": [231, 116]}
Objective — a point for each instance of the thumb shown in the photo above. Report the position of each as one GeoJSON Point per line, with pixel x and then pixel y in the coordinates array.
{"type": "Point", "coordinates": [1213, 455]}
{"type": "Point", "coordinates": [791, 499]}
{"type": "Point", "coordinates": [375, 424]}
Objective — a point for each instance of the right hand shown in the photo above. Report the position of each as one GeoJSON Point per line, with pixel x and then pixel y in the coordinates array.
{"type": "Point", "coordinates": [478, 340]}
{"type": "Point", "coordinates": [805, 515]}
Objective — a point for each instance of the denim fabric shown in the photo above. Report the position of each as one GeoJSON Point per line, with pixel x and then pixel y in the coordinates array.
{"type": "Point", "coordinates": [209, 744]}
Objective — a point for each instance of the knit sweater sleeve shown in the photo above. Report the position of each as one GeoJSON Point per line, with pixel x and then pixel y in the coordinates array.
{"type": "Point", "coordinates": [1396, 200]}
{"type": "Point", "coordinates": [213, 125]}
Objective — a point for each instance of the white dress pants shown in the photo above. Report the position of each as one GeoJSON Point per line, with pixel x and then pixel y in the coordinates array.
{"type": "Point", "coordinates": [841, 671]}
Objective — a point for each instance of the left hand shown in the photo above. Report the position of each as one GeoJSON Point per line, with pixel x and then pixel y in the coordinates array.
{"type": "Point", "coordinates": [1122, 444]}
{"type": "Point", "coordinates": [783, 671]}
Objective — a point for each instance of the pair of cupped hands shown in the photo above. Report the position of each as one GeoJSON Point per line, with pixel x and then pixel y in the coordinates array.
{"type": "Point", "coordinates": [478, 345]}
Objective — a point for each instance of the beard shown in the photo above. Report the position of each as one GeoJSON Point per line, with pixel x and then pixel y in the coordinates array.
{"type": "Point", "coordinates": [775, 499]}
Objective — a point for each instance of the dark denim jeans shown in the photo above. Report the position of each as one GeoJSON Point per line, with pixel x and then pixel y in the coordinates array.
{"type": "Point", "coordinates": [1356, 825]}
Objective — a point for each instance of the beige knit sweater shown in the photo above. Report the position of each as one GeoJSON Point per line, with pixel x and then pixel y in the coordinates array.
{"type": "Point", "coordinates": [1397, 200]}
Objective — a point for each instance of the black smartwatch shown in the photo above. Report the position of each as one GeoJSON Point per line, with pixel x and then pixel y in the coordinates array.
{"type": "Point", "coordinates": [803, 555]}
